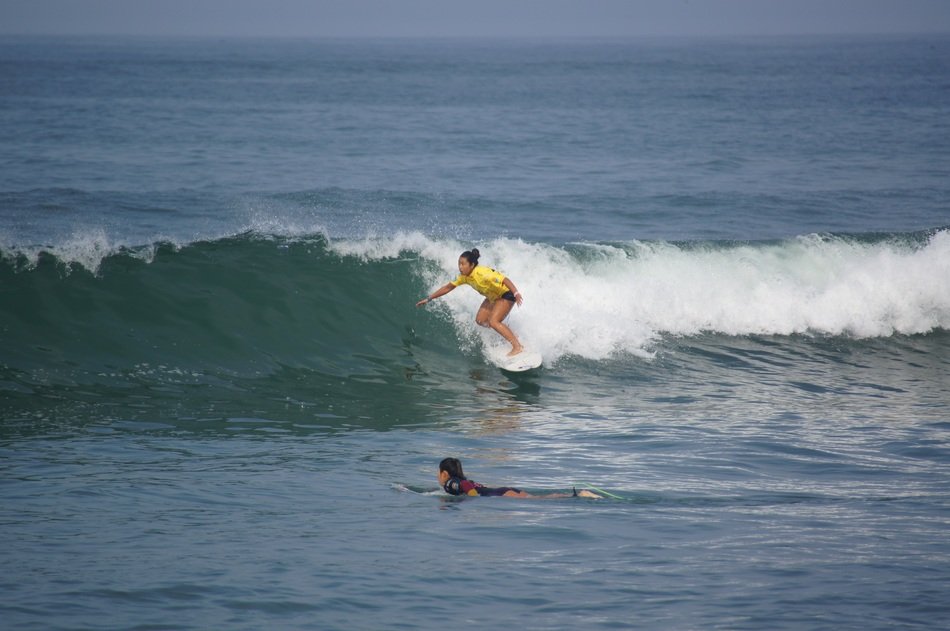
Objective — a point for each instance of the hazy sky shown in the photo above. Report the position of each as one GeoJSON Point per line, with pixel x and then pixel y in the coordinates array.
{"type": "Point", "coordinates": [504, 18]}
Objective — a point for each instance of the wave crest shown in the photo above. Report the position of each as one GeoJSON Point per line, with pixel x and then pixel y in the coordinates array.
{"type": "Point", "coordinates": [310, 301]}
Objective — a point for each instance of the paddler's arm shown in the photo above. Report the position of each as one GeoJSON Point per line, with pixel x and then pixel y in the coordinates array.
{"type": "Point", "coordinates": [441, 291]}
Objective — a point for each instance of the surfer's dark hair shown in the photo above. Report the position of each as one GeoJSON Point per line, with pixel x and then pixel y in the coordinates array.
{"type": "Point", "coordinates": [452, 466]}
{"type": "Point", "coordinates": [471, 256]}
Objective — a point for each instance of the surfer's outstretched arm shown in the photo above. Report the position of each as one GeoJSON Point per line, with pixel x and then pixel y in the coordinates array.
{"type": "Point", "coordinates": [438, 293]}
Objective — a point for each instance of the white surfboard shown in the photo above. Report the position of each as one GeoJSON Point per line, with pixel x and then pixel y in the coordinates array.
{"type": "Point", "coordinates": [525, 360]}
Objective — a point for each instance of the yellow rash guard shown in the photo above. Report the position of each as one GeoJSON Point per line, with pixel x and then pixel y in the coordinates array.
{"type": "Point", "coordinates": [485, 281]}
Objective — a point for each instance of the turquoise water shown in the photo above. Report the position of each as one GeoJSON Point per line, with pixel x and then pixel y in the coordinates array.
{"type": "Point", "coordinates": [219, 407]}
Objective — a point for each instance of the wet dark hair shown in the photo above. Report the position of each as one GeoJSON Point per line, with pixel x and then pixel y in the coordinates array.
{"type": "Point", "coordinates": [453, 466]}
{"type": "Point", "coordinates": [471, 256]}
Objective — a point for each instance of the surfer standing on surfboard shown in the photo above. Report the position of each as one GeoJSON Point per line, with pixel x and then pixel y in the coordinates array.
{"type": "Point", "coordinates": [500, 295]}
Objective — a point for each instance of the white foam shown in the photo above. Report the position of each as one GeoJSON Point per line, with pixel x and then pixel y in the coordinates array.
{"type": "Point", "coordinates": [595, 300]}
{"type": "Point", "coordinates": [85, 248]}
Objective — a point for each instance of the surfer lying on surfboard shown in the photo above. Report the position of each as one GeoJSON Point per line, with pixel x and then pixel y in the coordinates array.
{"type": "Point", "coordinates": [500, 295]}
{"type": "Point", "coordinates": [453, 481]}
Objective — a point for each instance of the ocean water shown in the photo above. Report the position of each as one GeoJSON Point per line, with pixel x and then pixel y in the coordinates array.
{"type": "Point", "coordinates": [220, 408]}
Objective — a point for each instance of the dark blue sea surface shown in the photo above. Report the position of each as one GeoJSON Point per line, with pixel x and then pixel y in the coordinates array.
{"type": "Point", "coordinates": [220, 408]}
